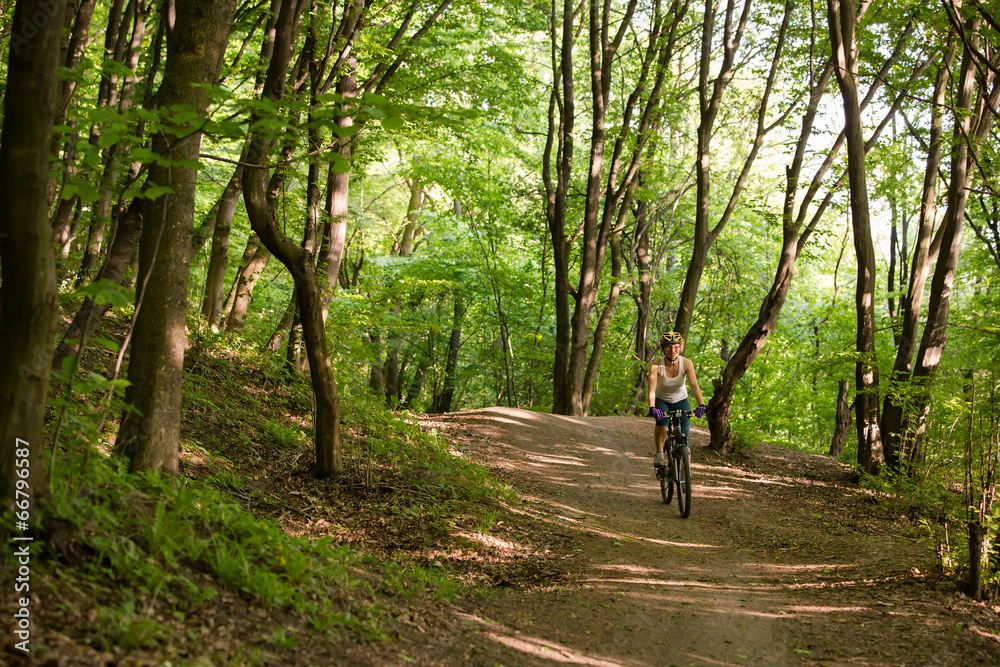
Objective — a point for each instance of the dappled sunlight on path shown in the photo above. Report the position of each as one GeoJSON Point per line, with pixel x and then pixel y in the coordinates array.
{"type": "Point", "coordinates": [758, 575]}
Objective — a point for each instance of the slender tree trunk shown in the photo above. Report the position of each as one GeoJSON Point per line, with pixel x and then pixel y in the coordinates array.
{"type": "Point", "coordinates": [892, 409]}
{"type": "Point", "coordinates": [600, 331]}
{"type": "Point", "coordinates": [215, 279]}
{"type": "Point", "coordinates": [972, 125]}
{"type": "Point", "coordinates": [843, 419]}
{"type": "Point", "coordinates": [843, 24]}
{"type": "Point", "coordinates": [442, 402]}
{"type": "Point", "coordinates": [296, 259]}
{"type": "Point", "coordinates": [115, 265]}
{"type": "Point", "coordinates": [338, 191]}
{"type": "Point", "coordinates": [402, 248]}
{"type": "Point", "coordinates": [284, 325]}
{"type": "Point", "coordinates": [709, 105]}
{"type": "Point", "coordinates": [196, 43]}
{"type": "Point", "coordinates": [126, 48]}
{"type": "Point", "coordinates": [793, 240]}
{"type": "Point", "coordinates": [246, 280]}
{"type": "Point", "coordinates": [610, 177]}
{"type": "Point", "coordinates": [561, 137]}
{"type": "Point", "coordinates": [28, 292]}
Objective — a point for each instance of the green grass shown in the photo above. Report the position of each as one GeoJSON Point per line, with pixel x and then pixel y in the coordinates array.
{"type": "Point", "coordinates": [172, 545]}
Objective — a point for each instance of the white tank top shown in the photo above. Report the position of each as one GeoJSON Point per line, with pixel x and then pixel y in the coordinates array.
{"type": "Point", "coordinates": [672, 389]}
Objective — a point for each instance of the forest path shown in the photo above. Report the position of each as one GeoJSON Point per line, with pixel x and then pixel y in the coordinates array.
{"type": "Point", "coordinates": [783, 560]}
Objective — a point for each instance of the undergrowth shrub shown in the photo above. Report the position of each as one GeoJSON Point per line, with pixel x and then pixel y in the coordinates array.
{"type": "Point", "coordinates": [390, 447]}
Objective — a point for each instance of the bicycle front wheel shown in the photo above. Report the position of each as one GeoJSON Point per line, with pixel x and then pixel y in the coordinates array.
{"type": "Point", "coordinates": [666, 487]}
{"type": "Point", "coordinates": [683, 464]}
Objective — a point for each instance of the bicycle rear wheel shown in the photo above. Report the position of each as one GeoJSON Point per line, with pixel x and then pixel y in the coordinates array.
{"type": "Point", "coordinates": [683, 463]}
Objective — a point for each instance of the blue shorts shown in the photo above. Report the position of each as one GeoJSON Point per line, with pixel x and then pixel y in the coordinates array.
{"type": "Point", "coordinates": [683, 404]}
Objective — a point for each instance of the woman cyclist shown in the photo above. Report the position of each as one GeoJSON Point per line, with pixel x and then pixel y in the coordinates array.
{"type": "Point", "coordinates": [667, 389]}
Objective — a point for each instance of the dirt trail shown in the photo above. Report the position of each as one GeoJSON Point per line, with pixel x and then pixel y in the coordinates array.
{"type": "Point", "coordinates": [782, 562]}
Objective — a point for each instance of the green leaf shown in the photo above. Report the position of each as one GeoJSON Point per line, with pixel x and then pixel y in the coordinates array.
{"type": "Point", "coordinates": [344, 132]}
{"type": "Point", "coordinates": [108, 138]}
{"type": "Point", "coordinates": [372, 98]}
{"type": "Point", "coordinates": [109, 345]}
{"type": "Point", "coordinates": [143, 155]}
{"type": "Point", "coordinates": [392, 122]}
{"type": "Point", "coordinates": [153, 192]}
{"type": "Point", "coordinates": [340, 165]}
{"type": "Point", "coordinates": [69, 365]}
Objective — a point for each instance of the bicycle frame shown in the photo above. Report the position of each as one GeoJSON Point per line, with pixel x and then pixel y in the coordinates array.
{"type": "Point", "coordinates": [678, 450]}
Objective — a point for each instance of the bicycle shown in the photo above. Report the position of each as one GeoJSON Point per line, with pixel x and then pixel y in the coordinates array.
{"type": "Point", "coordinates": [678, 471]}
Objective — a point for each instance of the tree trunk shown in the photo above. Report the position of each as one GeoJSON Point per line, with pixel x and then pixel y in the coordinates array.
{"type": "Point", "coordinates": [376, 380]}
{"type": "Point", "coordinates": [892, 409]}
{"type": "Point", "coordinates": [843, 23]}
{"type": "Point", "coordinates": [843, 419]}
{"type": "Point", "coordinates": [115, 265]}
{"type": "Point", "coordinates": [215, 279]}
{"type": "Point", "coordinates": [242, 291]}
{"type": "Point", "coordinates": [339, 182]}
{"type": "Point", "coordinates": [609, 178]}
{"type": "Point", "coordinates": [284, 325]}
{"type": "Point", "coordinates": [793, 240]}
{"type": "Point", "coordinates": [28, 292]}
{"type": "Point", "coordinates": [196, 42]}
{"type": "Point", "coordinates": [978, 549]}
{"type": "Point", "coordinates": [123, 43]}
{"type": "Point", "coordinates": [972, 125]}
{"type": "Point", "coordinates": [296, 259]}
{"type": "Point", "coordinates": [443, 401]}
{"type": "Point", "coordinates": [594, 365]}
{"type": "Point", "coordinates": [709, 105]}
{"type": "Point", "coordinates": [417, 383]}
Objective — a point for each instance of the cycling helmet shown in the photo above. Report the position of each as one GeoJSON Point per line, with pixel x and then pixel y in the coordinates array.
{"type": "Point", "coordinates": [668, 337]}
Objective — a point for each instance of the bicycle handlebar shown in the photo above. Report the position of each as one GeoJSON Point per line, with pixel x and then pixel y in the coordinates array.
{"type": "Point", "coordinates": [680, 413]}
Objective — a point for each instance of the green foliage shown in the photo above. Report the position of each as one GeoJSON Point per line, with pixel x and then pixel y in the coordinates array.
{"type": "Point", "coordinates": [155, 534]}
{"type": "Point", "coordinates": [399, 447]}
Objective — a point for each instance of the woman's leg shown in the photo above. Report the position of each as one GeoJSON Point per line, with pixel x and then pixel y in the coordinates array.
{"type": "Point", "coordinates": [660, 431]}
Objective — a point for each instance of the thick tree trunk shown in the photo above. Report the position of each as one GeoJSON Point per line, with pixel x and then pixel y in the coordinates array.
{"type": "Point", "coordinates": [196, 42]}
{"type": "Point", "coordinates": [28, 292]}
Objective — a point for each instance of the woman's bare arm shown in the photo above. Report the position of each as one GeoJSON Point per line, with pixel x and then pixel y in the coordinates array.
{"type": "Point", "coordinates": [689, 367]}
